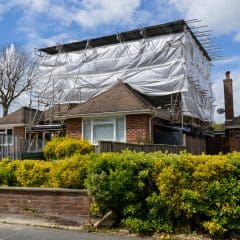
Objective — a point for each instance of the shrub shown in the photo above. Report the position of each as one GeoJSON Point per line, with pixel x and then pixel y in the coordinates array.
{"type": "Point", "coordinates": [59, 148]}
{"type": "Point", "coordinates": [50, 147]}
{"type": "Point", "coordinates": [202, 190]}
{"type": "Point", "coordinates": [69, 173]}
{"type": "Point", "coordinates": [7, 175]}
{"type": "Point", "coordinates": [120, 182]}
{"type": "Point", "coordinates": [31, 173]}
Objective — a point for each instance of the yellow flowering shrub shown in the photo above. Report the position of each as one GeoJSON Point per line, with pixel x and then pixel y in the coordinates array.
{"type": "Point", "coordinates": [59, 148]}
{"type": "Point", "coordinates": [31, 173]}
{"type": "Point", "coordinates": [69, 173]}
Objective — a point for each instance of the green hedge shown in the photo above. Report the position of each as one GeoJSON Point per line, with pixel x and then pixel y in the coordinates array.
{"type": "Point", "coordinates": [169, 192]}
{"type": "Point", "coordinates": [147, 192]}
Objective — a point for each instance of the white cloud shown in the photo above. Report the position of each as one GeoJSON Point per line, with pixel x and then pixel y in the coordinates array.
{"type": "Point", "coordinates": [96, 12]}
{"type": "Point", "coordinates": [221, 15]}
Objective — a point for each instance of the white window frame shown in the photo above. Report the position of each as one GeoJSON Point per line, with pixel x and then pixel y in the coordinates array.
{"type": "Point", "coordinates": [114, 122]}
{"type": "Point", "coordinates": [3, 132]}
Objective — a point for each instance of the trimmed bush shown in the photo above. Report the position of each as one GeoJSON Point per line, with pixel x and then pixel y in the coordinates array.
{"type": "Point", "coordinates": [120, 182]}
{"type": "Point", "coordinates": [169, 192]}
{"type": "Point", "coordinates": [69, 173]}
{"type": "Point", "coordinates": [59, 148]}
{"type": "Point", "coordinates": [31, 173]}
{"type": "Point", "coordinates": [7, 174]}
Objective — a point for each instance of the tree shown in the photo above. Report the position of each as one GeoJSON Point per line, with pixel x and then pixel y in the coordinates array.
{"type": "Point", "coordinates": [17, 74]}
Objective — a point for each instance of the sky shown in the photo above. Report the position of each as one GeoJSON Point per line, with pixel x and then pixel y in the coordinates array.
{"type": "Point", "coordinates": [40, 23]}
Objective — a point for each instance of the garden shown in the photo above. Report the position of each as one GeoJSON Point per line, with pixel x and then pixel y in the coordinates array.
{"type": "Point", "coordinates": [148, 193]}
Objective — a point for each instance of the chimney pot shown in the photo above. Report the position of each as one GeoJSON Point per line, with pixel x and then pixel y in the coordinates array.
{"type": "Point", "coordinates": [228, 74]}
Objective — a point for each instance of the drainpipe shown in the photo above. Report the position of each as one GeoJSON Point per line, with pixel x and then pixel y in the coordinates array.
{"type": "Point", "coordinates": [150, 125]}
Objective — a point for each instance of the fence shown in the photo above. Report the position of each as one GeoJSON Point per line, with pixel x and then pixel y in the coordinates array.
{"type": "Point", "coordinates": [12, 147]}
{"type": "Point", "coordinates": [108, 146]}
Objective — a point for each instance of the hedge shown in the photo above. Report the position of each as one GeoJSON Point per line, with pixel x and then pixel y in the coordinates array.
{"type": "Point", "coordinates": [169, 192]}
{"type": "Point", "coordinates": [61, 147]}
{"type": "Point", "coordinates": [147, 192]}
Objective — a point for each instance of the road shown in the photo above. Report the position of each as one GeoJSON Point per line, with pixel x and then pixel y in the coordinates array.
{"type": "Point", "coordinates": [23, 232]}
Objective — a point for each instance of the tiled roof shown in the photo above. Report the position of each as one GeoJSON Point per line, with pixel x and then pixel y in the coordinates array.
{"type": "Point", "coordinates": [21, 116]}
{"type": "Point", "coordinates": [58, 110]}
{"type": "Point", "coordinates": [120, 98]}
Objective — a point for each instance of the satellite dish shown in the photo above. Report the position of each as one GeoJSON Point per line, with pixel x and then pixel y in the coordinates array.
{"type": "Point", "coordinates": [220, 110]}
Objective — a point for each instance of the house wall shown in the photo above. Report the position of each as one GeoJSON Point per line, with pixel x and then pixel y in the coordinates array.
{"type": "Point", "coordinates": [233, 140]}
{"type": "Point", "coordinates": [74, 127]}
{"type": "Point", "coordinates": [138, 128]}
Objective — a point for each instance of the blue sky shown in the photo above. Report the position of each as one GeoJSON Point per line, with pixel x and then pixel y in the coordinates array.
{"type": "Point", "coordinates": [41, 23]}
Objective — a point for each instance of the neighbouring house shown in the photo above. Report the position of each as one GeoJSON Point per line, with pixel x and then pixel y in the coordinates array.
{"type": "Point", "coordinates": [13, 131]}
{"type": "Point", "coordinates": [15, 123]}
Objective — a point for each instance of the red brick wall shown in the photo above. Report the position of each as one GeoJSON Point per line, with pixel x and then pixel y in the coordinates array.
{"type": "Point", "coordinates": [228, 97]}
{"type": "Point", "coordinates": [234, 140]}
{"type": "Point", "coordinates": [74, 127]}
{"type": "Point", "coordinates": [138, 128]}
{"type": "Point", "coordinates": [20, 131]}
{"type": "Point", "coordinates": [49, 202]}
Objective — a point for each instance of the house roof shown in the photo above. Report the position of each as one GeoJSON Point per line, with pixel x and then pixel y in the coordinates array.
{"type": "Point", "coordinates": [151, 31]}
{"type": "Point", "coordinates": [58, 110]}
{"type": "Point", "coordinates": [23, 115]}
{"type": "Point", "coordinates": [120, 98]}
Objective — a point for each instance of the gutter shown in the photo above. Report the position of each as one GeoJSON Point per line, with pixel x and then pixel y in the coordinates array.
{"type": "Point", "coordinates": [87, 115]}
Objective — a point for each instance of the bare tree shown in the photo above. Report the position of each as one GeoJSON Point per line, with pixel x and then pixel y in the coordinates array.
{"type": "Point", "coordinates": [17, 74]}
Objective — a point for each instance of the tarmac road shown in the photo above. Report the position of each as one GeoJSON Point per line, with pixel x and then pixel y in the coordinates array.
{"type": "Point", "coordinates": [23, 232]}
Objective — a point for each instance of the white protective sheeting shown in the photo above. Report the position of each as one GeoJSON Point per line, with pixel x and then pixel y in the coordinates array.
{"type": "Point", "coordinates": [154, 66]}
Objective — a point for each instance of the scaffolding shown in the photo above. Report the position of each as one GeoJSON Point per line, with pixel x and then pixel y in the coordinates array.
{"type": "Point", "coordinates": [173, 66]}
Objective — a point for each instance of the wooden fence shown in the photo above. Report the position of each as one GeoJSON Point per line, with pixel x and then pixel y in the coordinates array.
{"type": "Point", "coordinates": [108, 146]}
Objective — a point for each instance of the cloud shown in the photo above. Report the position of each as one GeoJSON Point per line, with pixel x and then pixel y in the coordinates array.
{"type": "Point", "coordinates": [222, 16]}
{"type": "Point", "coordinates": [96, 12]}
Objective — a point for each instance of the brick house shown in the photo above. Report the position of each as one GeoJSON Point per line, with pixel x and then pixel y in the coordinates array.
{"type": "Point", "coordinates": [119, 114]}
{"type": "Point", "coordinates": [16, 122]}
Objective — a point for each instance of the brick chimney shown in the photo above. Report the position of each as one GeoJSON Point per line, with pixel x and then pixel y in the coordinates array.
{"type": "Point", "coordinates": [228, 97]}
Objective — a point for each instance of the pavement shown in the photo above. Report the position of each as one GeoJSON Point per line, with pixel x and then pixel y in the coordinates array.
{"type": "Point", "coordinates": [24, 232]}
{"type": "Point", "coordinates": [26, 227]}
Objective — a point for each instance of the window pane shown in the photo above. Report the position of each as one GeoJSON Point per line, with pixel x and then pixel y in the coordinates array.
{"type": "Point", "coordinates": [102, 132]}
{"type": "Point", "coordinates": [9, 131]}
{"type": "Point", "coordinates": [120, 129]}
{"type": "Point", "coordinates": [87, 129]}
